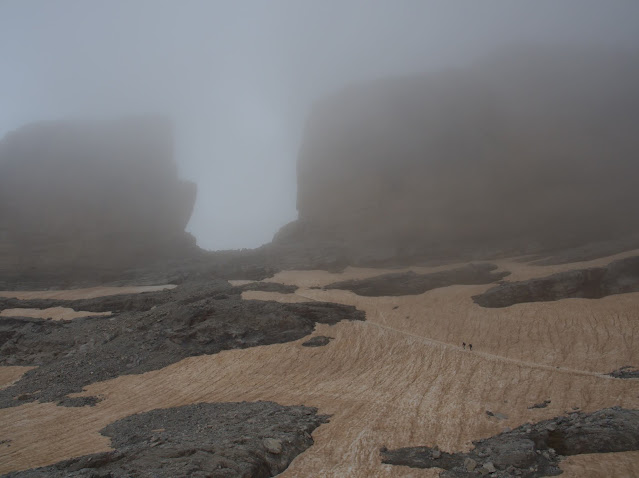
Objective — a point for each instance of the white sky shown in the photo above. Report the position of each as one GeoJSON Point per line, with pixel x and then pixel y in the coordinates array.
{"type": "Point", "coordinates": [239, 77]}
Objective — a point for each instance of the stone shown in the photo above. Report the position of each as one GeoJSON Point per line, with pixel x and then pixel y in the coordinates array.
{"type": "Point", "coordinates": [543, 404]}
{"type": "Point", "coordinates": [470, 464]}
{"type": "Point", "coordinates": [317, 341]}
{"type": "Point", "coordinates": [436, 454]}
{"type": "Point", "coordinates": [489, 467]}
{"type": "Point", "coordinates": [272, 445]}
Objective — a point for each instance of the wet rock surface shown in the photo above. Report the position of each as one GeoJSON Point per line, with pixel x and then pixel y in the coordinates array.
{"type": "Point", "coordinates": [411, 283]}
{"type": "Point", "coordinates": [220, 440]}
{"type": "Point", "coordinates": [618, 277]}
{"type": "Point", "coordinates": [531, 450]}
{"type": "Point", "coordinates": [148, 333]}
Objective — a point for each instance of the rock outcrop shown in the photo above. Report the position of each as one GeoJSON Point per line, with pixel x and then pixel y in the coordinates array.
{"type": "Point", "coordinates": [531, 450]}
{"type": "Point", "coordinates": [92, 194]}
{"type": "Point", "coordinates": [625, 372]}
{"type": "Point", "coordinates": [527, 151]}
{"type": "Point", "coordinates": [220, 440]}
{"type": "Point", "coordinates": [147, 332]}
{"type": "Point", "coordinates": [411, 283]}
{"type": "Point", "coordinates": [618, 277]}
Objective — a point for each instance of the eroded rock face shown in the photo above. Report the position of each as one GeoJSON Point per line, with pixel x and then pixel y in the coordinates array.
{"type": "Point", "coordinates": [531, 450]}
{"type": "Point", "coordinates": [411, 283]}
{"type": "Point", "coordinates": [147, 332]}
{"type": "Point", "coordinates": [91, 194]}
{"type": "Point", "coordinates": [618, 277]}
{"type": "Point", "coordinates": [220, 440]}
{"type": "Point", "coordinates": [494, 159]}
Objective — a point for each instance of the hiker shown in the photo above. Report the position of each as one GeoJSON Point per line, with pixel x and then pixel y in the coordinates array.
{"type": "Point", "coordinates": [470, 346]}
{"type": "Point", "coordinates": [464, 345]}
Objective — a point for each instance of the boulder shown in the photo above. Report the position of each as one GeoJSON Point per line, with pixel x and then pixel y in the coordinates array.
{"type": "Point", "coordinates": [272, 445]}
{"type": "Point", "coordinates": [470, 464]}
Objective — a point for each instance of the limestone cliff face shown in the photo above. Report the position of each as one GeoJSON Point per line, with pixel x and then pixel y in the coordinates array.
{"type": "Point", "coordinates": [92, 193]}
{"type": "Point", "coordinates": [525, 151]}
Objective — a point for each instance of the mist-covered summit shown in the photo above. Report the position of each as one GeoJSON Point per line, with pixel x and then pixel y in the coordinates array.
{"type": "Point", "coordinates": [92, 193]}
{"type": "Point", "coordinates": [528, 150]}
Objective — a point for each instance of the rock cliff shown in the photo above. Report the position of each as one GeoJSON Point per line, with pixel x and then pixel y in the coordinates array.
{"type": "Point", "coordinates": [528, 150]}
{"type": "Point", "coordinates": [91, 194]}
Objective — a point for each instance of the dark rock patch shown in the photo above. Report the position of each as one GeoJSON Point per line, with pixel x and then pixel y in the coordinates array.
{"type": "Point", "coordinates": [219, 440]}
{"type": "Point", "coordinates": [143, 301]}
{"type": "Point", "coordinates": [79, 401]}
{"type": "Point", "coordinates": [497, 415]}
{"type": "Point", "coordinates": [588, 252]}
{"type": "Point", "coordinates": [317, 341]}
{"type": "Point", "coordinates": [193, 319]}
{"type": "Point", "coordinates": [626, 372]}
{"type": "Point", "coordinates": [618, 277]}
{"type": "Point", "coordinates": [269, 287]}
{"type": "Point", "coordinates": [531, 450]}
{"type": "Point", "coordinates": [411, 283]}
{"type": "Point", "coordinates": [543, 404]}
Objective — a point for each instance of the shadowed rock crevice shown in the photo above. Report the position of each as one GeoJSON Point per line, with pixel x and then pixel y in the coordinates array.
{"type": "Point", "coordinates": [411, 283]}
{"type": "Point", "coordinates": [220, 440]}
{"type": "Point", "coordinates": [195, 320]}
{"type": "Point", "coordinates": [618, 277]}
{"type": "Point", "coordinates": [531, 450]}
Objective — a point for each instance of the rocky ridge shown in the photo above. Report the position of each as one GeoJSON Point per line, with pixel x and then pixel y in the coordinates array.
{"type": "Point", "coordinates": [217, 440]}
{"type": "Point", "coordinates": [618, 277]}
{"type": "Point", "coordinates": [147, 332]}
{"type": "Point", "coordinates": [411, 283]}
{"type": "Point", "coordinates": [531, 450]}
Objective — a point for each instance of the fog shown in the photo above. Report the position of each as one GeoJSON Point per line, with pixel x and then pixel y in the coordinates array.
{"type": "Point", "coordinates": [238, 79]}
